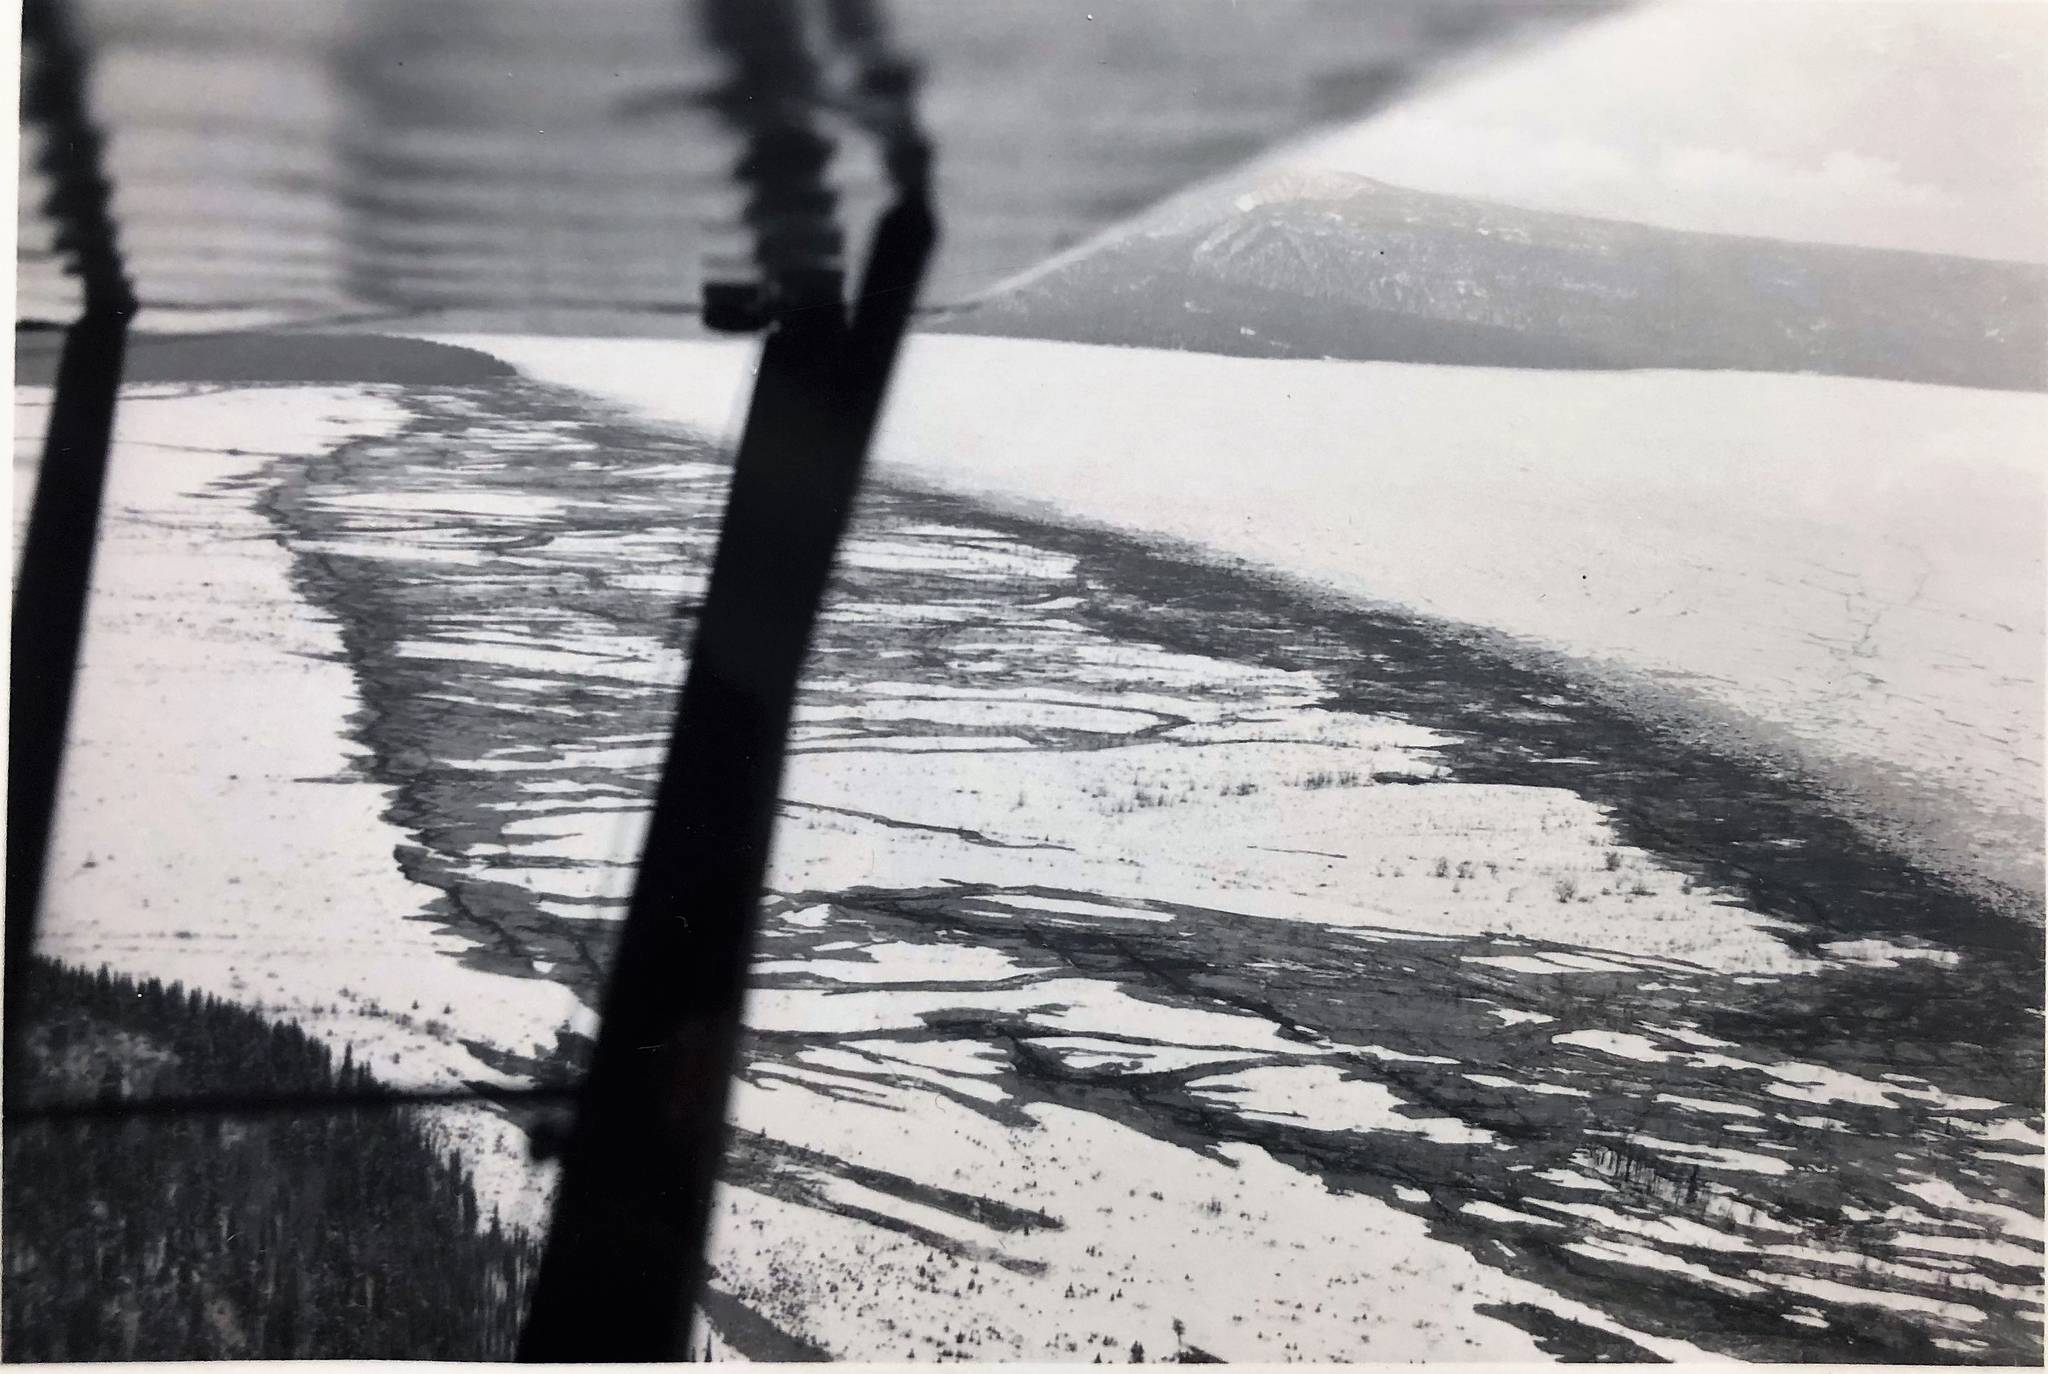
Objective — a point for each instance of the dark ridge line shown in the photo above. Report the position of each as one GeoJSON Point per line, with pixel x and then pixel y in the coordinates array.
{"type": "Point", "coordinates": [1318, 853]}
{"type": "Point", "coordinates": [909, 903]}
{"type": "Point", "coordinates": [752, 1334]}
{"type": "Point", "coordinates": [897, 823]}
{"type": "Point", "coordinates": [1001, 1216]}
{"type": "Point", "coordinates": [779, 1069]}
{"type": "Point", "coordinates": [913, 753]}
{"type": "Point", "coordinates": [1567, 1338]}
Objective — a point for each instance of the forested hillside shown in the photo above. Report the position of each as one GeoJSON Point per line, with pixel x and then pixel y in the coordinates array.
{"type": "Point", "coordinates": [193, 1236]}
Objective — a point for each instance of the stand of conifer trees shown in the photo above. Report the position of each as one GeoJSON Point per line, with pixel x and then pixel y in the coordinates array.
{"type": "Point", "coordinates": [320, 1234]}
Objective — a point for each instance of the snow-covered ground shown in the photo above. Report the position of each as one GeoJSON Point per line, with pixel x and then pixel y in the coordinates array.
{"type": "Point", "coordinates": [1845, 574]}
{"type": "Point", "coordinates": [214, 826]}
{"type": "Point", "coordinates": [1065, 828]}
{"type": "Point", "coordinates": [1116, 932]}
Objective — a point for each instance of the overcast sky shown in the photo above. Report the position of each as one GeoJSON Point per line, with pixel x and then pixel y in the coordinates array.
{"type": "Point", "coordinates": [1916, 124]}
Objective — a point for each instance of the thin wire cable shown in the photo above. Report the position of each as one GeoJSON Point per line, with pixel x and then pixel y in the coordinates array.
{"type": "Point", "coordinates": [255, 1105]}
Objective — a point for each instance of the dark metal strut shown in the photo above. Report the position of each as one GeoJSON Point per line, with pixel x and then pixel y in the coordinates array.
{"type": "Point", "coordinates": [54, 574]}
{"type": "Point", "coordinates": [625, 1255]}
